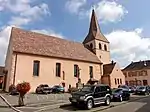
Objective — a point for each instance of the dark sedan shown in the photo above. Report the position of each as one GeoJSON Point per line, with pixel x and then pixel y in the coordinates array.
{"type": "Point", "coordinates": [58, 89]}
{"type": "Point", "coordinates": [43, 89]}
{"type": "Point", "coordinates": [142, 90]}
{"type": "Point", "coordinates": [121, 94]}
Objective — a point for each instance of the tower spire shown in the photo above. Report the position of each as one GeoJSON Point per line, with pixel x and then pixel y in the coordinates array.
{"type": "Point", "coordinates": [94, 30]}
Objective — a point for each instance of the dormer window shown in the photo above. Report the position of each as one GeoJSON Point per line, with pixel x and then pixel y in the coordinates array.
{"type": "Point", "coordinates": [105, 47]}
{"type": "Point", "coordinates": [91, 45]}
{"type": "Point", "coordinates": [100, 46]}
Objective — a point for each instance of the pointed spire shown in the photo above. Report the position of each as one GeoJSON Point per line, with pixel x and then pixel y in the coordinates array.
{"type": "Point", "coordinates": [94, 30]}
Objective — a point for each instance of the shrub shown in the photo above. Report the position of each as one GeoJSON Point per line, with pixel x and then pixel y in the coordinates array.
{"type": "Point", "coordinates": [23, 88]}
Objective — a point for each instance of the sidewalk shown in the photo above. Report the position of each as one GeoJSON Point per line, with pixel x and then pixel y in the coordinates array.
{"type": "Point", "coordinates": [34, 99]}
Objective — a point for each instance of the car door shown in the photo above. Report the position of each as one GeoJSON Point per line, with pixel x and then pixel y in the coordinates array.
{"type": "Point", "coordinates": [99, 94]}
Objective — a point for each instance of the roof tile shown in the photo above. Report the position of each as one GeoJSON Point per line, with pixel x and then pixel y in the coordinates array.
{"type": "Point", "coordinates": [40, 44]}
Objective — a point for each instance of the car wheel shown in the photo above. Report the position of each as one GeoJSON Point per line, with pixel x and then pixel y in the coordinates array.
{"type": "Point", "coordinates": [120, 98]}
{"type": "Point", "coordinates": [107, 101]}
{"type": "Point", "coordinates": [89, 104]}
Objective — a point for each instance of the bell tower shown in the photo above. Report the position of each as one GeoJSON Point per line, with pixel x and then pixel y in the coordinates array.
{"type": "Point", "coordinates": [96, 42]}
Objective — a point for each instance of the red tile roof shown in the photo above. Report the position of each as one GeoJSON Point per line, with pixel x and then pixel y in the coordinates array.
{"type": "Point", "coordinates": [40, 44]}
{"type": "Point", "coordinates": [108, 68]}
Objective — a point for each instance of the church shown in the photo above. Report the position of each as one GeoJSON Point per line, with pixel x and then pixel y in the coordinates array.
{"type": "Point", "coordinates": [43, 59]}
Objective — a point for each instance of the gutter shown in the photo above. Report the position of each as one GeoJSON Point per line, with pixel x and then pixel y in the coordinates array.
{"type": "Point", "coordinates": [15, 69]}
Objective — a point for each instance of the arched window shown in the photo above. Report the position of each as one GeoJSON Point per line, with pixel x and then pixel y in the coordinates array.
{"type": "Point", "coordinates": [105, 47]}
{"type": "Point", "coordinates": [91, 45]}
{"type": "Point", "coordinates": [100, 46]}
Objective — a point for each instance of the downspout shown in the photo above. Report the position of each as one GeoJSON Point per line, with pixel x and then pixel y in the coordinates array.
{"type": "Point", "coordinates": [15, 69]}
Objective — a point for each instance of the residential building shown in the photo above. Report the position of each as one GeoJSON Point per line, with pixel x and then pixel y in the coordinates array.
{"type": "Point", "coordinates": [43, 59]}
{"type": "Point", "coordinates": [137, 73]}
{"type": "Point", "coordinates": [112, 75]}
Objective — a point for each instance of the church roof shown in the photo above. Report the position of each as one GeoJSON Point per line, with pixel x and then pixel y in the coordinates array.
{"type": "Point", "coordinates": [39, 44]}
{"type": "Point", "coordinates": [94, 30]}
{"type": "Point", "coordinates": [108, 68]}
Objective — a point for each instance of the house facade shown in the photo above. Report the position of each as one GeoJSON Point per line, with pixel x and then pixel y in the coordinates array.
{"type": "Point", "coordinates": [112, 75]}
{"type": "Point", "coordinates": [43, 59]}
{"type": "Point", "coordinates": [137, 73]}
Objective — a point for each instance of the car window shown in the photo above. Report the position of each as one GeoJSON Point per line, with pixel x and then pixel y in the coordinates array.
{"type": "Point", "coordinates": [46, 85]}
{"type": "Point", "coordinates": [98, 89]}
{"type": "Point", "coordinates": [117, 90]}
{"type": "Point", "coordinates": [87, 88]}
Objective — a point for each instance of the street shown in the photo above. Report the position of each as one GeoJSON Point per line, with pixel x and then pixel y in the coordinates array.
{"type": "Point", "coordinates": [142, 105]}
{"type": "Point", "coordinates": [136, 104]}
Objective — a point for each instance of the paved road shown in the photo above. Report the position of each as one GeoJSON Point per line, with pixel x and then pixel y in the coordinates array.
{"type": "Point", "coordinates": [53, 106]}
{"type": "Point", "coordinates": [133, 106]}
{"type": "Point", "coordinates": [142, 105]}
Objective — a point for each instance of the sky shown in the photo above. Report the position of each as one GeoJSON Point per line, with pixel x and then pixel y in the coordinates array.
{"type": "Point", "coordinates": [125, 23]}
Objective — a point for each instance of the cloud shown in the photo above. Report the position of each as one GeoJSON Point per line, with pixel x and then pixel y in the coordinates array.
{"type": "Point", "coordinates": [127, 46]}
{"type": "Point", "coordinates": [30, 15]}
{"type": "Point", "coordinates": [4, 38]}
{"type": "Point", "coordinates": [106, 11]}
{"type": "Point", "coordinates": [109, 11]}
{"type": "Point", "coordinates": [19, 21]}
{"type": "Point", "coordinates": [49, 32]}
{"type": "Point", "coordinates": [73, 6]}
{"type": "Point", "coordinates": [24, 11]}
{"type": "Point", "coordinates": [15, 5]}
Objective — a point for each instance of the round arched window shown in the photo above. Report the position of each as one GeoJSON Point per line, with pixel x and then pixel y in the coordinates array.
{"type": "Point", "coordinates": [100, 46]}
{"type": "Point", "coordinates": [91, 45]}
{"type": "Point", "coordinates": [105, 47]}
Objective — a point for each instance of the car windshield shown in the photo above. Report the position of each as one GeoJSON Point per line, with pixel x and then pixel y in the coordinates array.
{"type": "Point", "coordinates": [45, 85]}
{"type": "Point", "coordinates": [117, 90]}
{"type": "Point", "coordinates": [88, 88]}
{"type": "Point", "coordinates": [142, 87]}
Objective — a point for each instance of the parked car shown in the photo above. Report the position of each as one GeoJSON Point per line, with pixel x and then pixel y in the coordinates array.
{"type": "Point", "coordinates": [91, 95]}
{"type": "Point", "coordinates": [43, 89]}
{"type": "Point", "coordinates": [132, 89]}
{"type": "Point", "coordinates": [125, 87]}
{"type": "Point", "coordinates": [58, 89]}
{"type": "Point", "coordinates": [14, 91]}
{"type": "Point", "coordinates": [142, 90]}
{"type": "Point", "coordinates": [121, 94]}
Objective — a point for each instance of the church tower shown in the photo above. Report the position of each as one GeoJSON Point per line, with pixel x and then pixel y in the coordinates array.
{"type": "Point", "coordinates": [96, 41]}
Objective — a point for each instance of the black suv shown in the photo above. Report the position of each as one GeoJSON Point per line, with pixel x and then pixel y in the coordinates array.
{"type": "Point", "coordinates": [91, 95]}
